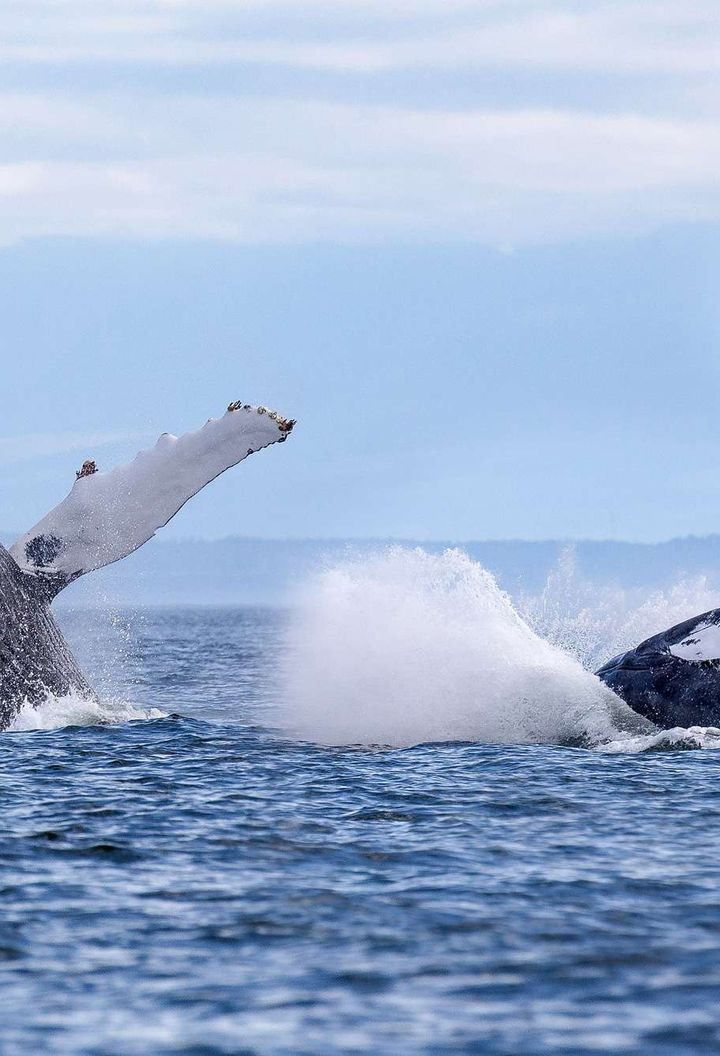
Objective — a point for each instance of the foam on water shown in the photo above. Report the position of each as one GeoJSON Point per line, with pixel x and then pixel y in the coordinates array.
{"type": "Point", "coordinates": [76, 710]}
{"type": "Point", "coordinates": [677, 739]}
{"type": "Point", "coordinates": [407, 647]}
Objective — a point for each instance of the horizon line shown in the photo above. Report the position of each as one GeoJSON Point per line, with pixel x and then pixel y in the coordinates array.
{"type": "Point", "coordinates": [389, 540]}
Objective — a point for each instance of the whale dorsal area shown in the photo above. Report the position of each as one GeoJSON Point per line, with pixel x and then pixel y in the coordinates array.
{"type": "Point", "coordinates": [702, 644]}
{"type": "Point", "coordinates": [107, 516]}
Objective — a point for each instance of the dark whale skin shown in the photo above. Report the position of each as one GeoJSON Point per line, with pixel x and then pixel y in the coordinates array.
{"type": "Point", "coordinates": [35, 660]}
{"type": "Point", "coordinates": [667, 689]}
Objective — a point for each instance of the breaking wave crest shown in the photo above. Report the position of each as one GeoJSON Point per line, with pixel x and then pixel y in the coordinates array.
{"type": "Point", "coordinates": [406, 647]}
{"type": "Point", "coordinates": [77, 710]}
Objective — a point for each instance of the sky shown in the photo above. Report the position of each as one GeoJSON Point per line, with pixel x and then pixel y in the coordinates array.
{"type": "Point", "coordinates": [472, 246]}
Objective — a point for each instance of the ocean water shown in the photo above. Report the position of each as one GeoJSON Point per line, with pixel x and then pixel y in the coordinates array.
{"type": "Point", "coordinates": [398, 818]}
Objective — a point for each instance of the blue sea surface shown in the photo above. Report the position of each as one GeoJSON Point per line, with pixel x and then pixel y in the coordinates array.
{"type": "Point", "coordinates": [202, 884]}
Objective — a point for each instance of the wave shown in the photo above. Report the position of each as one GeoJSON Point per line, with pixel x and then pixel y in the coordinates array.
{"type": "Point", "coordinates": [405, 647]}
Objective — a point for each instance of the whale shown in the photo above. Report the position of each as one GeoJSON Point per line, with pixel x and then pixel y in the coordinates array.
{"type": "Point", "coordinates": [105, 517]}
{"type": "Point", "coordinates": [672, 678]}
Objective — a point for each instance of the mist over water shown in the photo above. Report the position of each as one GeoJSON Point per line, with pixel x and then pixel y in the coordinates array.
{"type": "Point", "coordinates": [407, 647]}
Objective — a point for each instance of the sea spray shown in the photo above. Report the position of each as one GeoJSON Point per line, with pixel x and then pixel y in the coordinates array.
{"type": "Point", "coordinates": [594, 621]}
{"type": "Point", "coordinates": [405, 647]}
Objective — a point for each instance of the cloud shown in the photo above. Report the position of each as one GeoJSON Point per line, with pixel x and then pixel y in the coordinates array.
{"type": "Point", "coordinates": [318, 163]}
{"type": "Point", "coordinates": [273, 171]}
{"type": "Point", "coordinates": [371, 36]}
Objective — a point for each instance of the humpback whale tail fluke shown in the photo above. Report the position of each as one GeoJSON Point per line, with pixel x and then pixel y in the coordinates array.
{"type": "Point", "coordinates": [107, 516]}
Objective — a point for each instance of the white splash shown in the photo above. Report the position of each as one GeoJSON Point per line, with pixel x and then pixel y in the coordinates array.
{"type": "Point", "coordinates": [407, 647]}
{"type": "Point", "coordinates": [76, 710]}
{"type": "Point", "coordinates": [594, 621]}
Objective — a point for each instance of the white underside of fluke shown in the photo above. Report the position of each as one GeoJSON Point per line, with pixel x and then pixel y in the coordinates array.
{"type": "Point", "coordinates": [108, 515]}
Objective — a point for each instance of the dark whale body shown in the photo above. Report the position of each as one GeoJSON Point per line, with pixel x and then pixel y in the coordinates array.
{"type": "Point", "coordinates": [35, 659]}
{"type": "Point", "coordinates": [673, 678]}
{"type": "Point", "coordinates": [105, 517]}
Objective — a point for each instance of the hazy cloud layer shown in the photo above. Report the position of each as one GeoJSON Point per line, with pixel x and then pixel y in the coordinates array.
{"type": "Point", "coordinates": [120, 154]}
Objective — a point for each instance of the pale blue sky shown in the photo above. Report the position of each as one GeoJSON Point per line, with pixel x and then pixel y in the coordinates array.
{"type": "Point", "coordinates": [471, 246]}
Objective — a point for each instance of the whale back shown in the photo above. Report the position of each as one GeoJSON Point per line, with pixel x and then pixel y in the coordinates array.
{"type": "Point", "coordinates": [35, 660]}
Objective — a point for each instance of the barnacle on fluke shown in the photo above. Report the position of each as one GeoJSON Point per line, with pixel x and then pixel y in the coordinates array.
{"type": "Point", "coordinates": [86, 469]}
{"type": "Point", "coordinates": [285, 425]}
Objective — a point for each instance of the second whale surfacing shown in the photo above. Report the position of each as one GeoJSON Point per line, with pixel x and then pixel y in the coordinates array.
{"type": "Point", "coordinates": [673, 678]}
{"type": "Point", "coordinates": [105, 517]}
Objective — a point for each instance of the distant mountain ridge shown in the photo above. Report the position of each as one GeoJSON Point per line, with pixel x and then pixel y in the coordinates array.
{"type": "Point", "coordinates": [239, 570]}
